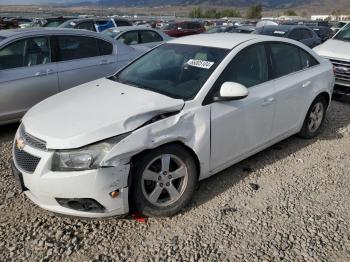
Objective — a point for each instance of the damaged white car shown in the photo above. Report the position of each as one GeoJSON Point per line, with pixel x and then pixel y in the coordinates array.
{"type": "Point", "coordinates": [181, 113]}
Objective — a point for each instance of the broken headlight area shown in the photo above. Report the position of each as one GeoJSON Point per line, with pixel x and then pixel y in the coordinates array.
{"type": "Point", "coordinates": [86, 158]}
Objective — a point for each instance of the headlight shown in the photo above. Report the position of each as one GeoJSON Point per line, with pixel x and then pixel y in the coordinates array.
{"type": "Point", "coordinates": [89, 157]}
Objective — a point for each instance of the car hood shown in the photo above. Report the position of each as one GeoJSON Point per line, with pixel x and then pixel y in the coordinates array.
{"type": "Point", "coordinates": [334, 49]}
{"type": "Point", "coordinates": [94, 111]}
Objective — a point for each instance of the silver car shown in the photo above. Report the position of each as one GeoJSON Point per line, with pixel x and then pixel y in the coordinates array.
{"type": "Point", "coordinates": [38, 63]}
{"type": "Point", "coordinates": [138, 36]}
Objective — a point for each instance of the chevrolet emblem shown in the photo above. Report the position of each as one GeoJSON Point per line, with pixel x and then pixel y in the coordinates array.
{"type": "Point", "coordinates": [20, 143]}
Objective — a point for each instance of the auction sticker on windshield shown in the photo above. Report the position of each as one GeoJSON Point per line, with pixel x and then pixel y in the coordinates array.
{"type": "Point", "coordinates": [200, 63]}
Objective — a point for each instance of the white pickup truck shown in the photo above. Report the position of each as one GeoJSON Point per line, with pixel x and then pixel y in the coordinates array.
{"type": "Point", "coordinates": [337, 50]}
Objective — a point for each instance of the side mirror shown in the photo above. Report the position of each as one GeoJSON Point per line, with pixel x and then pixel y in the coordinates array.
{"type": "Point", "coordinates": [232, 91]}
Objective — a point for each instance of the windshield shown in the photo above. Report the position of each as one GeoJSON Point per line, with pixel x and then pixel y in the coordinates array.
{"type": "Point", "coordinates": [339, 24]}
{"type": "Point", "coordinates": [343, 34]}
{"type": "Point", "coordinates": [174, 70]}
{"type": "Point", "coordinates": [112, 32]}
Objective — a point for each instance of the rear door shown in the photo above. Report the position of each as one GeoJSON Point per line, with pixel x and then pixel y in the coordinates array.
{"type": "Point", "coordinates": [80, 61]}
{"type": "Point", "coordinates": [27, 76]}
{"type": "Point", "coordinates": [293, 83]}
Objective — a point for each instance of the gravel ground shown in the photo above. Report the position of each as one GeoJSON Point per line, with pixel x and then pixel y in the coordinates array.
{"type": "Point", "coordinates": [290, 202]}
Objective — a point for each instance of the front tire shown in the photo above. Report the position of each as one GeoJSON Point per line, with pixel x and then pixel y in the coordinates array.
{"type": "Point", "coordinates": [314, 119]}
{"type": "Point", "coordinates": [164, 180]}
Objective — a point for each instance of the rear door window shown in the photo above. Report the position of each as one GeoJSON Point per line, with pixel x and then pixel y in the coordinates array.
{"type": "Point", "coordinates": [77, 47]}
{"type": "Point", "coordinates": [285, 52]}
{"type": "Point", "coordinates": [306, 34]}
{"type": "Point", "coordinates": [26, 52]}
{"type": "Point", "coordinates": [295, 34]}
{"type": "Point", "coordinates": [130, 38]}
{"type": "Point", "coordinates": [150, 36]}
{"type": "Point", "coordinates": [87, 26]}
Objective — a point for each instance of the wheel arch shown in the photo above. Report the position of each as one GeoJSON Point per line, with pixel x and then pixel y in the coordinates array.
{"type": "Point", "coordinates": [177, 142]}
{"type": "Point", "coordinates": [325, 95]}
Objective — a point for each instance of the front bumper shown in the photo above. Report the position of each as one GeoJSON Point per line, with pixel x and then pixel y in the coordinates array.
{"type": "Point", "coordinates": [45, 187]}
{"type": "Point", "coordinates": [342, 89]}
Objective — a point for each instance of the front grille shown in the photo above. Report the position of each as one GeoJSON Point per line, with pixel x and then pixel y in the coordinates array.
{"type": "Point", "coordinates": [342, 71]}
{"type": "Point", "coordinates": [31, 140]}
{"type": "Point", "coordinates": [26, 161]}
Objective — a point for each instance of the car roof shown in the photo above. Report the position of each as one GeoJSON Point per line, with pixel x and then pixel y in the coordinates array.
{"type": "Point", "coordinates": [131, 28]}
{"type": "Point", "coordinates": [283, 27]}
{"type": "Point", "coordinates": [220, 40]}
{"type": "Point", "coordinates": [14, 33]}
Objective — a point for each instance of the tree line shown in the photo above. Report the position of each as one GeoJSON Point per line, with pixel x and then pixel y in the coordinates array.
{"type": "Point", "coordinates": [254, 12]}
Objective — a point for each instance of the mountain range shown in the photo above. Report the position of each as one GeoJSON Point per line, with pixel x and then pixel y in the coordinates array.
{"type": "Point", "coordinates": [317, 5]}
{"type": "Point", "coordinates": [237, 3]}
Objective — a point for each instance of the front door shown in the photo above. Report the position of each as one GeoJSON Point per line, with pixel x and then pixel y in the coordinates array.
{"type": "Point", "coordinates": [239, 127]}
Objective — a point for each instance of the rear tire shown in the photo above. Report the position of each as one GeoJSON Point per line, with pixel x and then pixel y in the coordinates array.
{"type": "Point", "coordinates": [164, 180]}
{"type": "Point", "coordinates": [314, 119]}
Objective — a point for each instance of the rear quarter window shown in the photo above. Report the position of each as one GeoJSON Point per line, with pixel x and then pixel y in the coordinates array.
{"type": "Point", "coordinates": [105, 47]}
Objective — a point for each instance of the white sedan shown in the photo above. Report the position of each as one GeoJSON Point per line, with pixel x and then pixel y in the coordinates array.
{"type": "Point", "coordinates": [182, 112]}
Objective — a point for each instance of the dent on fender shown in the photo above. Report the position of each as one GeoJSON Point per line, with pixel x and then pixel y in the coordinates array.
{"type": "Point", "coordinates": [192, 128]}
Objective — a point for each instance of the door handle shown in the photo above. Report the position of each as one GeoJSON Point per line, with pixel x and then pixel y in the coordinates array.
{"type": "Point", "coordinates": [50, 71]}
{"type": "Point", "coordinates": [306, 84]}
{"type": "Point", "coordinates": [40, 73]}
{"type": "Point", "coordinates": [105, 62]}
{"type": "Point", "coordinates": [268, 101]}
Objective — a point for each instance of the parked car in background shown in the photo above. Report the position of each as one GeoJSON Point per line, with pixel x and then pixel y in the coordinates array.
{"type": "Point", "coordinates": [323, 32]}
{"type": "Point", "coordinates": [337, 50]}
{"type": "Point", "coordinates": [137, 35]}
{"type": "Point", "coordinates": [245, 29]}
{"type": "Point", "coordinates": [221, 29]}
{"type": "Point", "coordinates": [184, 111]}
{"type": "Point", "coordinates": [20, 21]}
{"type": "Point", "coordinates": [338, 25]}
{"type": "Point", "coordinates": [8, 24]}
{"type": "Point", "coordinates": [178, 29]}
{"type": "Point", "coordinates": [37, 63]}
{"type": "Point", "coordinates": [56, 21]}
{"type": "Point", "coordinates": [302, 34]}
{"type": "Point", "coordinates": [95, 24]}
